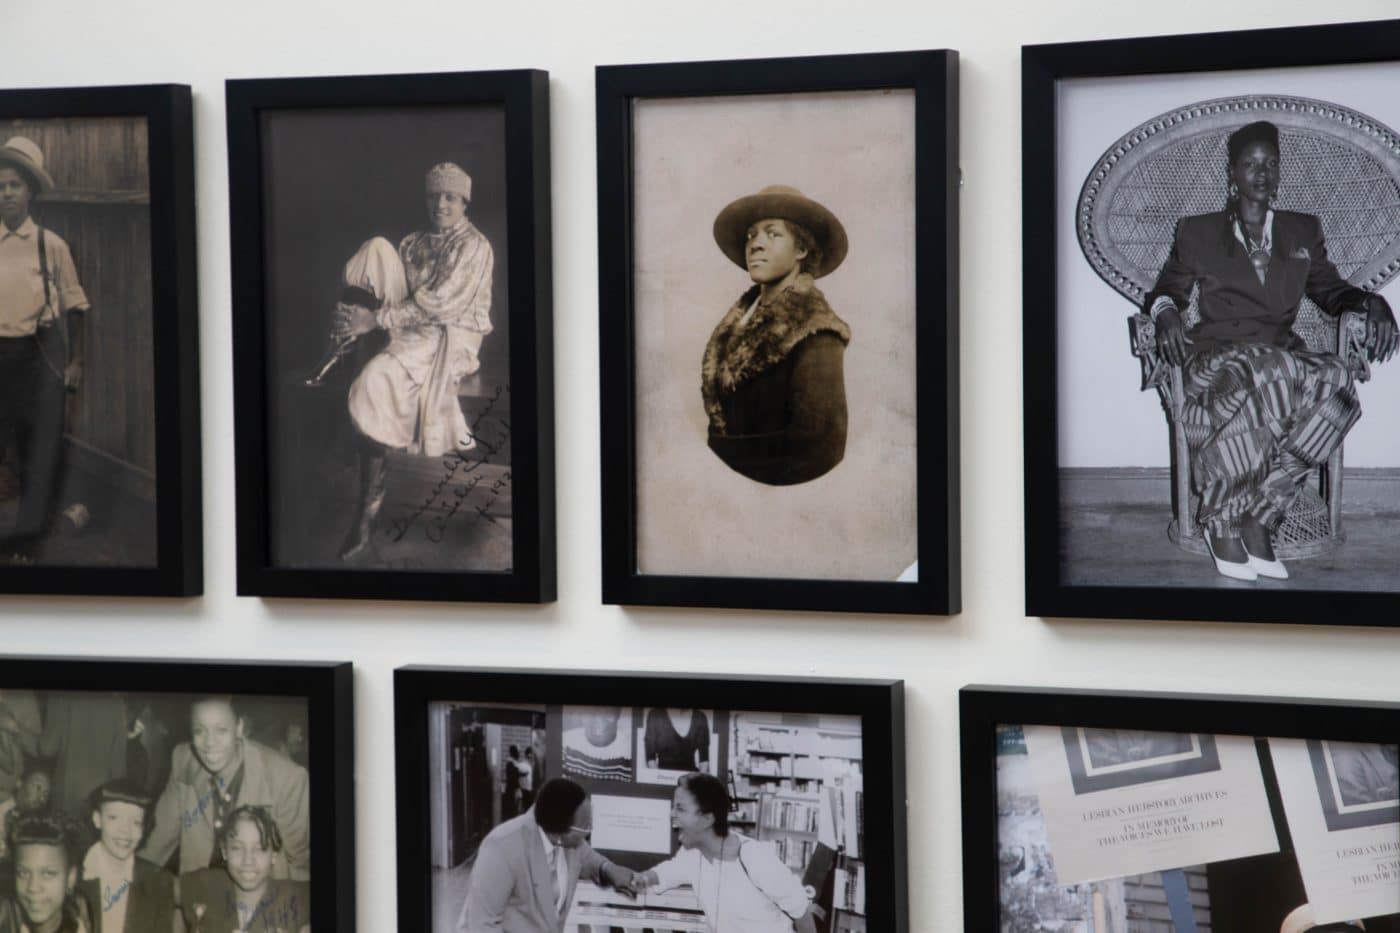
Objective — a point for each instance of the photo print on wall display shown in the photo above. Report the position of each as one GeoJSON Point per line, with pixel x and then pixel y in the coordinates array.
{"type": "Point", "coordinates": [1243, 219]}
{"type": "Point", "coordinates": [99, 409]}
{"type": "Point", "coordinates": [791, 446]}
{"type": "Point", "coordinates": [183, 805]}
{"type": "Point", "coordinates": [1260, 827]}
{"type": "Point", "coordinates": [651, 814]}
{"type": "Point", "coordinates": [392, 437]}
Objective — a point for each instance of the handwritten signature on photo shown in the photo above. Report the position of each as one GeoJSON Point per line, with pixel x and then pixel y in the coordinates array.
{"type": "Point", "coordinates": [461, 477]}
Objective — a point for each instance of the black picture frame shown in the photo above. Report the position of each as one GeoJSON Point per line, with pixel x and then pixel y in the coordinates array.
{"type": "Point", "coordinates": [878, 703]}
{"type": "Point", "coordinates": [983, 707]}
{"type": "Point", "coordinates": [327, 690]}
{"type": "Point", "coordinates": [524, 97]}
{"type": "Point", "coordinates": [174, 481]}
{"type": "Point", "coordinates": [933, 76]}
{"type": "Point", "coordinates": [1042, 67]}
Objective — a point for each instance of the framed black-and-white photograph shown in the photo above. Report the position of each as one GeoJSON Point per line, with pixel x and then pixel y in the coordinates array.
{"type": "Point", "coordinates": [1355, 783]}
{"type": "Point", "coordinates": [518, 809]}
{"type": "Point", "coordinates": [1247, 814]}
{"type": "Point", "coordinates": [152, 796]}
{"type": "Point", "coordinates": [1234, 199]}
{"type": "Point", "coordinates": [393, 339]}
{"type": "Point", "coordinates": [783, 434]}
{"type": "Point", "coordinates": [1102, 758]}
{"type": "Point", "coordinates": [99, 354]}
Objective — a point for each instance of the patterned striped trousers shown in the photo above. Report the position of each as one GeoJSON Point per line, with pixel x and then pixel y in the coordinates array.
{"type": "Point", "coordinates": [1257, 419]}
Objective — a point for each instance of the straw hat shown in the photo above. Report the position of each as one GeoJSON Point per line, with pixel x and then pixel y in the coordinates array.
{"type": "Point", "coordinates": [25, 154]}
{"type": "Point", "coordinates": [785, 203]}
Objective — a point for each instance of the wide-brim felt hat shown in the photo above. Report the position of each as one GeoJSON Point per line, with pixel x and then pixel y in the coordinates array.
{"type": "Point", "coordinates": [26, 155]}
{"type": "Point", "coordinates": [785, 203]}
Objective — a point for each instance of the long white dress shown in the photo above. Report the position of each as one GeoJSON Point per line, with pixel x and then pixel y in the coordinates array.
{"type": "Point", "coordinates": [436, 294]}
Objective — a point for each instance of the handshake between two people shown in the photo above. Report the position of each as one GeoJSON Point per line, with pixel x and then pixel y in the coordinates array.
{"type": "Point", "coordinates": [628, 882]}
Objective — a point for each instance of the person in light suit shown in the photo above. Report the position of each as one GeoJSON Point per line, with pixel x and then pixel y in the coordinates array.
{"type": "Point", "coordinates": [213, 774]}
{"type": "Point", "coordinates": [527, 868]}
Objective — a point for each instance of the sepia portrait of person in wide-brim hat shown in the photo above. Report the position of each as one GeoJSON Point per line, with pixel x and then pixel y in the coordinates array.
{"type": "Point", "coordinates": [772, 379]}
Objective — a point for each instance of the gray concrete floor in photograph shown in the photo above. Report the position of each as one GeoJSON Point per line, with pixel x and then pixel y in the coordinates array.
{"type": "Point", "coordinates": [449, 894]}
{"type": "Point", "coordinates": [1114, 533]}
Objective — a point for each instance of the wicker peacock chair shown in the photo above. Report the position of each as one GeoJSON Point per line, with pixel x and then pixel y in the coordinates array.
{"type": "Point", "coordinates": [1338, 164]}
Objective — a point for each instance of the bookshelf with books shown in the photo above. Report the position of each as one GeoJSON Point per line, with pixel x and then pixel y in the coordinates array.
{"type": "Point", "coordinates": [774, 755]}
{"type": "Point", "coordinates": [743, 811]}
{"type": "Point", "coordinates": [800, 781]}
{"type": "Point", "coordinates": [845, 806]}
{"type": "Point", "coordinates": [790, 820]}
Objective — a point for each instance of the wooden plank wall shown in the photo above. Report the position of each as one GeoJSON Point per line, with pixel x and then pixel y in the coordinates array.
{"type": "Point", "coordinates": [101, 208]}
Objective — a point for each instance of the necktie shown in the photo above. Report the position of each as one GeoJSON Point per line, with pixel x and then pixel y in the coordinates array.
{"type": "Point", "coordinates": [556, 870]}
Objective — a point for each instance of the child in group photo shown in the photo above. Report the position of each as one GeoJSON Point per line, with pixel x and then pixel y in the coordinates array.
{"type": "Point", "coordinates": [243, 894]}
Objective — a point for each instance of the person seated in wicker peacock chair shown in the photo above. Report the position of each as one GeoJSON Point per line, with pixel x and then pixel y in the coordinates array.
{"type": "Point", "coordinates": [1261, 410]}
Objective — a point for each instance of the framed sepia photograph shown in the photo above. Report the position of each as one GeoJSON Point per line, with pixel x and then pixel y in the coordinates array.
{"type": "Point", "coordinates": [1247, 814]}
{"type": "Point", "coordinates": [783, 434]}
{"type": "Point", "coordinates": [1234, 199]}
{"type": "Point", "coordinates": [393, 343]}
{"type": "Point", "coordinates": [99, 351]}
{"type": "Point", "coordinates": [588, 801]}
{"type": "Point", "coordinates": [159, 796]}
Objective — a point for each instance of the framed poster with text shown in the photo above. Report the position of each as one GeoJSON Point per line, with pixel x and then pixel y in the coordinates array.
{"type": "Point", "coordinates": [1248, 814]}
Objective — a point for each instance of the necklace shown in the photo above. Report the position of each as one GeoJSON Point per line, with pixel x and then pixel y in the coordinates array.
{"type": "Point", "coordinates": [1259, 253]}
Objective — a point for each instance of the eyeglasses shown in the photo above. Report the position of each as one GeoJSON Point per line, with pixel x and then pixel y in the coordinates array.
{"type": "Point", "coordinates": [581, 830]}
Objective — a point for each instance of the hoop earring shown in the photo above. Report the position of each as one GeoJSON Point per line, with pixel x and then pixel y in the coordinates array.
{"type": "Point", "coordinates": [1234, 192]}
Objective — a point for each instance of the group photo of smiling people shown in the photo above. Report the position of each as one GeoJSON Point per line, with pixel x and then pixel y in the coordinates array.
{"type": "Point", "coordinates": [129, 813]}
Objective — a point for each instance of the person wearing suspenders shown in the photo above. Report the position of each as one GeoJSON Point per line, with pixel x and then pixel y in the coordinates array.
{"type": "Point", "coordinates": [41, 343]}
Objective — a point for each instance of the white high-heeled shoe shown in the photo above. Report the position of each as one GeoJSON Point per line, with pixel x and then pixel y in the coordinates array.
{"type": "Point", "coordinates": [1235, 570]}
{"type": "Point", "coordinates": [1273, 569]}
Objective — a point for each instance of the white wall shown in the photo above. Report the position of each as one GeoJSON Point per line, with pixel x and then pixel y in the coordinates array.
{"type": "Point", "coordinates": [69, 42]}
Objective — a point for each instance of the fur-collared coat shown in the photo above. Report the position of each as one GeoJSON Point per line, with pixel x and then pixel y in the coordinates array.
{"type": "Point", "coordinates": [774, 388]}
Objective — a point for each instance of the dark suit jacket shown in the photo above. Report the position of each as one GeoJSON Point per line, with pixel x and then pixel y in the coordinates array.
{"type": "Point", "coordinates": [1235, 307]}
{"type": "Point", "coordinates": [151, 900]}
